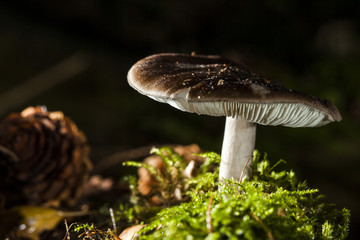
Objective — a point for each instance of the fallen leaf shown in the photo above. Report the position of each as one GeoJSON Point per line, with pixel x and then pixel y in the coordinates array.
{"type": "Point", "coordinates": [35, 220]}
{"type": "Point", "coordinates": [131, 232]}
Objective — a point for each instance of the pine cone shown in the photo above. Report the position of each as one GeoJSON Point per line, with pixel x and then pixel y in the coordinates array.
{"type": "Point", "coordinates": [43, 159]}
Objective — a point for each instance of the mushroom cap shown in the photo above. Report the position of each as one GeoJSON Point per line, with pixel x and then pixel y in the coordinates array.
{"type": "Point", "coordinates": [216, 86]}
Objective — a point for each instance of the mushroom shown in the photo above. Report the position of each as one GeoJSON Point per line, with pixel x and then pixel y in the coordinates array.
{"type": "Point", "coordinates": [216, 86]}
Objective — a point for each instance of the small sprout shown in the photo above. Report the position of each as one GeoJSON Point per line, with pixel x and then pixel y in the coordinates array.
{"type": "Point", "coordinates": [91, 232]}
{"type": "Point", "coordinates": [327, 230]}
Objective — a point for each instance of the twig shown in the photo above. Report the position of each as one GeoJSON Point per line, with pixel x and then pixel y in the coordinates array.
{"type": "Point", "coordinates": [67, 235]}
{"type": "Point", "coordinates": [113, 235]}
{"type": "Point", "coordinates": [67, 230]}
{"type": "Point", "coordinates": [243, 170]}
{"type": "Point", "coordinates": [44, 81]}
{"type": "Point", "coordinates": [120, 157]}
{"type": "Point", "coordinates": [113, 219]}
{"type": "Point", "coordinates": [209, 225]}
{"type": "Point", "coordinates": [76, 213]}
{"type": "Point", "coordinates": [263, 225]}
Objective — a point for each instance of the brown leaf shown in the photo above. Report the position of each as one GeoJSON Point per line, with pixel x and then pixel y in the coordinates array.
{"type": "Point", "coordinates": [131, 232]}
{"type": "Point", "coordinates": [187, 152]}
{"type": "Point", "coordinates": [147, 184]}
{"type": "Point", "coordinates": [97, 184]}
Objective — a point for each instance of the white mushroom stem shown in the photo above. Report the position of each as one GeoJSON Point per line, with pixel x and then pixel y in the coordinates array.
{"type": "Point", "coordinates": [237, 149]}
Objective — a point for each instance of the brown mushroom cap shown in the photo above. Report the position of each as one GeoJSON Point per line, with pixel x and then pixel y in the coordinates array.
{"type": "Point", "coordinates": [216, 86]}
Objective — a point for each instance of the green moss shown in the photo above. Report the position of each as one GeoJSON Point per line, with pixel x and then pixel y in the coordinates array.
{"type": "Point", "coordinates": [272, 205]}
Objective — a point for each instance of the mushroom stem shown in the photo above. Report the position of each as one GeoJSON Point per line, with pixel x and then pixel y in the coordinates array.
{"type": "Point", "coordinates": [237, 149]}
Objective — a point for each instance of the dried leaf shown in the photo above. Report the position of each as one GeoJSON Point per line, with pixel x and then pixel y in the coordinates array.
{"type": "Point", "coordinates": [131, 232]}
{"type": "Point", "coordinates": [187, 152]}
{"type": "Point", "coordinates": [97, 184]}
{"type": "Point", "coordinates": [32, 221]}
{"type": "Point", "coordinates": [188, 172]}
{"type": "Point", "coordinates": [147, 183]}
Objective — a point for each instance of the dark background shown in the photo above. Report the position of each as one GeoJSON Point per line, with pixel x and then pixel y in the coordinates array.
{"type": "Point", "coordinates": [310, 46]}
